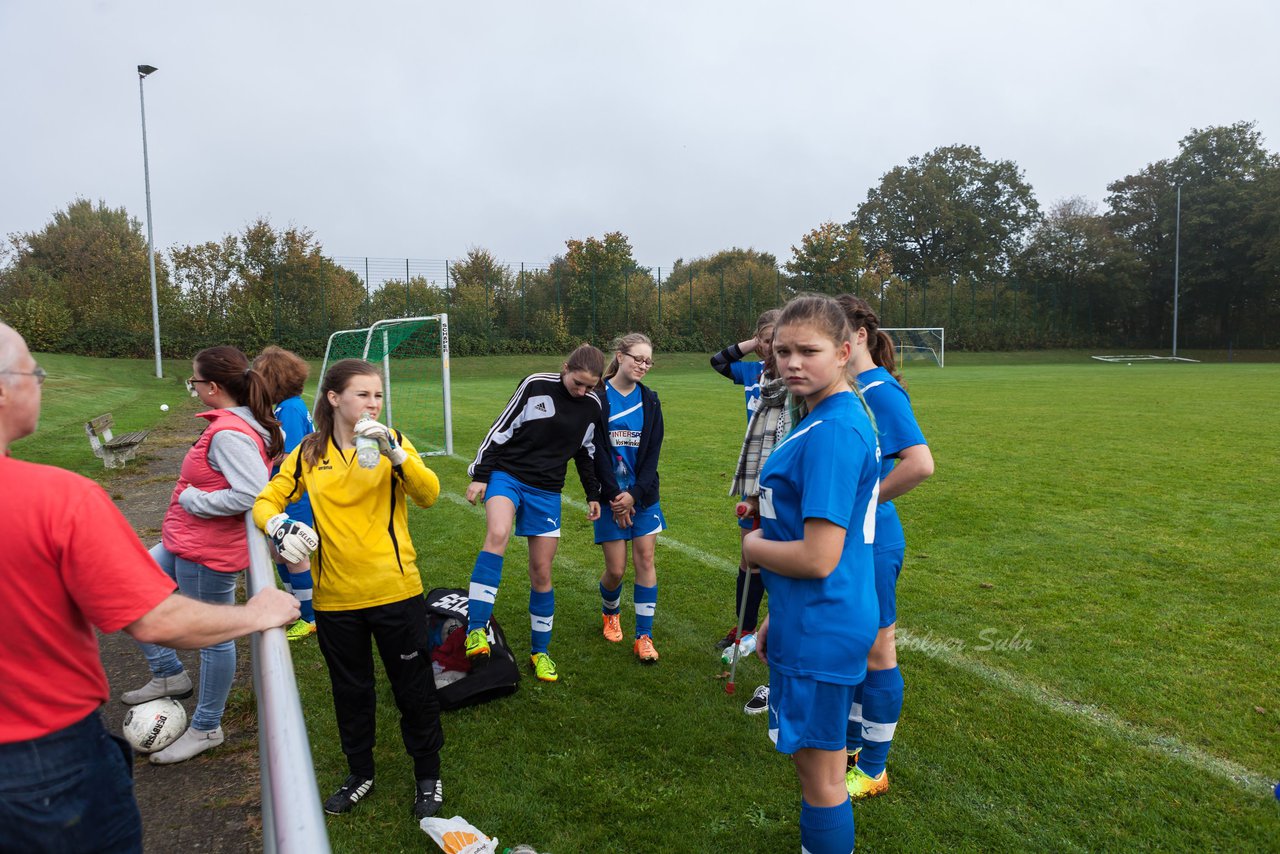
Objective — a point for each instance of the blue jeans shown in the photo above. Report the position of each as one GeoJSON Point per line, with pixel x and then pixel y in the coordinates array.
{"type": "Point", "coordinates": [217, 662]}
{"type": "Point", "coordinates": [69, 791]}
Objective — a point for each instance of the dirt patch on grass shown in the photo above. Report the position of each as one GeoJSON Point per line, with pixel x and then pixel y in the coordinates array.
{"type": "Point", "coordinates": [210, 803]}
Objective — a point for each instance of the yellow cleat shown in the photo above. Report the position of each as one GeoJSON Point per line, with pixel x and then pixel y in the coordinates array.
{"type": "Point", "coordinates": [861, 786]}
{"type": "Point", "coordinates": [300, 630]}
{"type": "Point", "coordinates": [644, 650]}
{"type": "Point", "coordinates": [612, 628]}
{"type": "Point", "coordinates": [543, 667]}
{"type": "Point", "coordinates": [478, 645]}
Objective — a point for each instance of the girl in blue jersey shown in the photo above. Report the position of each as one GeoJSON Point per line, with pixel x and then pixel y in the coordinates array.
{"type": "Point", "coordinates": [286, 373]}
{"type": "Point", "coordinates": [635, 434]}
{"type": "Point", "coordinates": [817, 511]}
{"type": "Point", "coordinates": [752, 377]}
{"type": "Point", "coordinates": [518, 474]}
{"type": "Point", "coordinates": [905, 463]}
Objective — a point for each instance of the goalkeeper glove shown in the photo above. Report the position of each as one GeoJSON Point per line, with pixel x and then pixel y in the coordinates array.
{"type": "Point", "coordinates": [294, 540]}
{"type": "Point", "coordinates": [370, 429]}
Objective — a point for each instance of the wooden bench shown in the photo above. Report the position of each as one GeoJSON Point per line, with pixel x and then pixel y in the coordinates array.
{"type": "Point", "coordinates": [114, 451]}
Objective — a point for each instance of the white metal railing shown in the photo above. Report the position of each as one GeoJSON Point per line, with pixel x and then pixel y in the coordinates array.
{"type": "Point", "coordinates": [292, 820]}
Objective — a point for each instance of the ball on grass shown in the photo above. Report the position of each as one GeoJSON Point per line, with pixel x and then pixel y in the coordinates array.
{"type": "Point", "coordinates": [164, 407]}
{"type": "Point", "coordinates": [154, 725]}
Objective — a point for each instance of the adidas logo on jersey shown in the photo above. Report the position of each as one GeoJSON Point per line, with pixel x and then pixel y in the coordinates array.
{"type": "Point", "coordinates": [541, 407]}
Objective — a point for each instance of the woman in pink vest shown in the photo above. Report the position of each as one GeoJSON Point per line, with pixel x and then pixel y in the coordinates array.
{"type": "Point", "coordinates": [203, 545]}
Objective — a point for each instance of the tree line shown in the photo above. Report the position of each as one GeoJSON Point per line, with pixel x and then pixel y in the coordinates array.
{"type": "Point", "coordinates": [949, 239]}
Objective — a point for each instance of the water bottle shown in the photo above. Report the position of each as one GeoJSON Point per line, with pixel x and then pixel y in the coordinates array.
{"type": "Point", "coordinates": [623, 475]}
{"type": "Point", "coordinates": [745, 648]}
{"type": "Point", "coordinates": [367, 453]}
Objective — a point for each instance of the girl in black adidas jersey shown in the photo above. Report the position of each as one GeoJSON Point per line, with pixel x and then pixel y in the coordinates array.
{"type": "Point", "coordinates": [519, 472]}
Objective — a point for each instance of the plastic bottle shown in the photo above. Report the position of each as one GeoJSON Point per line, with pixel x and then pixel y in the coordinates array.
{"type": "Point", "coordinates": [745, 648]}
{"type": "Point", "coordinates": [367, 453]}
{"type": "Point", "coordinates": [623, 475]}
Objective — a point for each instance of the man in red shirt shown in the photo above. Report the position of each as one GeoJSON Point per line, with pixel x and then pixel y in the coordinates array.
{"type": "Point", "coordinates": [69, 562]}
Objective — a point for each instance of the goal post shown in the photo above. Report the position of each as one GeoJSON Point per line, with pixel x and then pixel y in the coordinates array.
{"type": "Point", "coordinates": [413, 355]}
{"type": "Point", "coordinates": [919, 343]}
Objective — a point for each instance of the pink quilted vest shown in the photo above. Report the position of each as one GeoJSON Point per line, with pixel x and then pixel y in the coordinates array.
{"type": "Point", "coordinates": [218, 543]}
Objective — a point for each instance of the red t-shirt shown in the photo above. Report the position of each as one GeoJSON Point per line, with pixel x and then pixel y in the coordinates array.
{"type": "Point", "coordinates": [68, 561]}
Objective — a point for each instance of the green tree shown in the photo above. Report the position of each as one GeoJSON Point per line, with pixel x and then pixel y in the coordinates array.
{"type": "Point", "coordinates": [717, 298]}
{"type": "Point", "coordinates": [591, 274]}
{"type": "Point", "coordinates": [829, 260]}
{"type": "Point", "coordinates": [948, 214]}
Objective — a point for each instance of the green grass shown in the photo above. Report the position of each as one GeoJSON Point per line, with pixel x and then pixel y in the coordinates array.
{"type": "Point", "coordinates": [1091, 592]}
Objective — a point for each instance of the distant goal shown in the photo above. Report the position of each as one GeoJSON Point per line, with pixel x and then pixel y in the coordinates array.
{"type": "Point", "coordinates": [919, 343]}
{"type": "Point", "coordinates": [413, 353]}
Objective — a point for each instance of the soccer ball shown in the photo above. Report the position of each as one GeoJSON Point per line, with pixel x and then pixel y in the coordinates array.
{"type": "Point", "coordinates": [154, 725]}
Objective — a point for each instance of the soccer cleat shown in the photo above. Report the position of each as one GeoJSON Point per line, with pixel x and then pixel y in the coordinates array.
{"type": "Point", "coordinates": [759, 701]}
{"type": "Point", "coordinates": [300, 630]}
{"type": "Point", "coordinates": [350, 793]}
{"type": "Point", "coordinates": [862, 786]}
{"type": "Point", "coordinates": [429, 797]}
{"type": "Point", "coordinates": [728, 639]}
{"type": "Point", "coordinates": [478, 646]}
{"type": "Point", "coordinates": [746, 646]}
{"type": "Point", "coordinates": [191, 743]}
{"type": "Point", "coordinates": [643, 648]}
{"type": "Point", "coordinates": [543, 667]}
{"type": "Point", "coordinates": [177, 686]}
{"type": "Point", "coordinates": [612, 628]}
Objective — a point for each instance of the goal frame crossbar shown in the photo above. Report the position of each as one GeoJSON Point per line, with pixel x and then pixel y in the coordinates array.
{"type": "Point", "coordinates": [940, 355]}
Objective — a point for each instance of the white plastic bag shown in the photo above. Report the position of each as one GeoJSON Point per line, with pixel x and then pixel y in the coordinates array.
{"type": "Point", "coordinates": [458, 836]}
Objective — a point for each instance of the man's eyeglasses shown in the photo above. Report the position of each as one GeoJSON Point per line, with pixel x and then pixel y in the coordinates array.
{"type": "Point", "coordinates": [639, 360]}
{"type": "Point", "coordinates": [191, 384]}
{"type": "Point", "coordinates": [38, 373]}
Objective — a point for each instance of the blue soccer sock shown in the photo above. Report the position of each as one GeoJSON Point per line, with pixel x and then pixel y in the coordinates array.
{"type": "Point", "coordinates": [826, 830]}
{"type": "Point", "coordinates": [542, 611]}
{"type": "Point", "coordinates": [611, 600]}
{"type": "Point", "coordinates": [302, 590]}
{"type": "Point", "coordinates": [853, 729]}
{"type": "Point", "coordinates": [646, 599]}
{"type": "Point", "coordinates": [881, 706]}
{"type": "Point", "coordinates": [283, 572]}
{"type": "Point", "coordinates": [485, 577]}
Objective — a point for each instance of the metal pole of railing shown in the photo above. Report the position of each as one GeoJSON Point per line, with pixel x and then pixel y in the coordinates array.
{"type": "Point", "coordinates": [292, 820]}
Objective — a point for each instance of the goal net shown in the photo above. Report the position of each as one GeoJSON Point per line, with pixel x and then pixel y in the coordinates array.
{"type": "Point", "coordinates": [919, 343]}
{"type": "Point", "coordinates": [413, 353]}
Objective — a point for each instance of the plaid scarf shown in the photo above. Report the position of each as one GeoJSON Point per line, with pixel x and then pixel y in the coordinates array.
{"type": "Point", "coordinates": [769, 424]}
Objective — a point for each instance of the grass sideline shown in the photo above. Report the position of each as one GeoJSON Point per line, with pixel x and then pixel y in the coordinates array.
{"type": "Point", "coordinates": [1090, 595]}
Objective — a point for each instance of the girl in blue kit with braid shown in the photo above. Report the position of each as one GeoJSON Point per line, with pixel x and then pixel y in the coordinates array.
{"type": "Point", "coordinates": [818, 496]}
{"type": "Point", "coordinates": [635, 434]}
{"type": "Point", "coordinates": [906, 463]}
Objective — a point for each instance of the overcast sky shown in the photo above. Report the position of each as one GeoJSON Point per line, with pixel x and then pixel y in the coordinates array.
{"type": "Point", "coordinates": [421, 129]}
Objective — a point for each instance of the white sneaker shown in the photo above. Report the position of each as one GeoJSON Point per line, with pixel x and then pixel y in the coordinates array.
{"type": "Point", "coordinates": [745, 648]}
{"type": "Point", "coordinates": [178, 687]}
{"type": "Point", "coordinates": [191, 743]}
{"type": "Point", "coordinates": [759, 701]}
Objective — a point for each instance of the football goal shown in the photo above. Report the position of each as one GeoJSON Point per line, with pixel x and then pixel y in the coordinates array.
{"type": "Point", "coordinates": [919, 343]}
{"type": "Point", "coordinates": [413, 353]}
{"type": "Point", "coordinates": [1132, 359]}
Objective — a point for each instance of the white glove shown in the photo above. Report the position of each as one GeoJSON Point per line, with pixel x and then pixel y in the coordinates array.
{"type": "Point", "coordinates": [376, 430]}
{"type": "Point", "coordinates": [294, 540]}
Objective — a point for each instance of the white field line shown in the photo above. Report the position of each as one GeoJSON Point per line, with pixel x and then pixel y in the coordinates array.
{"type": "Point", "coordinates": [1152, 740]}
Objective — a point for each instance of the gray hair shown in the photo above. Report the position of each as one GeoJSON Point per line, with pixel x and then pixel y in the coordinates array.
{"type": "Point", "coordinates": [8, 351]}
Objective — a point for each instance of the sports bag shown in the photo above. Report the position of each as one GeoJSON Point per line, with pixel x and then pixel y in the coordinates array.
{"type": "Point", "coordinates": [446, 614]}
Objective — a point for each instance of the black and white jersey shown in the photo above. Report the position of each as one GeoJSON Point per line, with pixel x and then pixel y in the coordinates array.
{"type": "Point", "coordinates": [541, 429]}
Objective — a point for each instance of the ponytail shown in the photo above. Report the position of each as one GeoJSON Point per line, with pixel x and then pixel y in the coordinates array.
{"type": "Point", "coordinates": [860, 315]}
{"type": "Point", "coordinates": [229, 368]}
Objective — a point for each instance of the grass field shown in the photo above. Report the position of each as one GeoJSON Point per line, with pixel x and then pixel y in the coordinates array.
{"type": "Point", "coordinates": [1090, 604]}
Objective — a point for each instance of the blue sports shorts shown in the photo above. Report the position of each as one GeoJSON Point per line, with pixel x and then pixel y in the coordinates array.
{"type": "Point", "coordinates": [888, 566]}
{"type": "Point", "coordinates": [648, 520]}
{"type": "Point", "coordinates": [537, 511]}
{"type": "Point", "coordinates": [804, 712]}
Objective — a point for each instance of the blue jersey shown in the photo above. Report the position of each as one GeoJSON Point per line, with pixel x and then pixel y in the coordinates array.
{"type": "Point", "coordinates": [896, 429]}
{"type": "Point", "coordinates": [748, 374]}
{"type": "Point", "coordinates": [626, 421]}
{"type": "Point", "coordinates": [827, 468]}
{"type": "Point", "coordinates": [295, 423]}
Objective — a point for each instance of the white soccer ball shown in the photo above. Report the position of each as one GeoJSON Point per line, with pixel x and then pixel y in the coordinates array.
{"type": "Point", "coordinates": [164, 407]}
{"type": "Point", "coordinates": [155, 724]}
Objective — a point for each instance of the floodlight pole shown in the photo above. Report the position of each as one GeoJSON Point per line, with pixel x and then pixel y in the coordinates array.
{"type": "Point", "coordinates": [1177, 237]}
{"type": "Point", "coordinates": [143, 71]}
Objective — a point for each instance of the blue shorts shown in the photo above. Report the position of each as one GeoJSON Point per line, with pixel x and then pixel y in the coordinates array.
{"type": "Point", "coordinates": [804, 712]}
{"type": "Point", "coordinates": [648, 520]}
{"type": "Point", "coordinates": [537, 511]}
{"type": "Point", "coordinates": [888, 567]}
